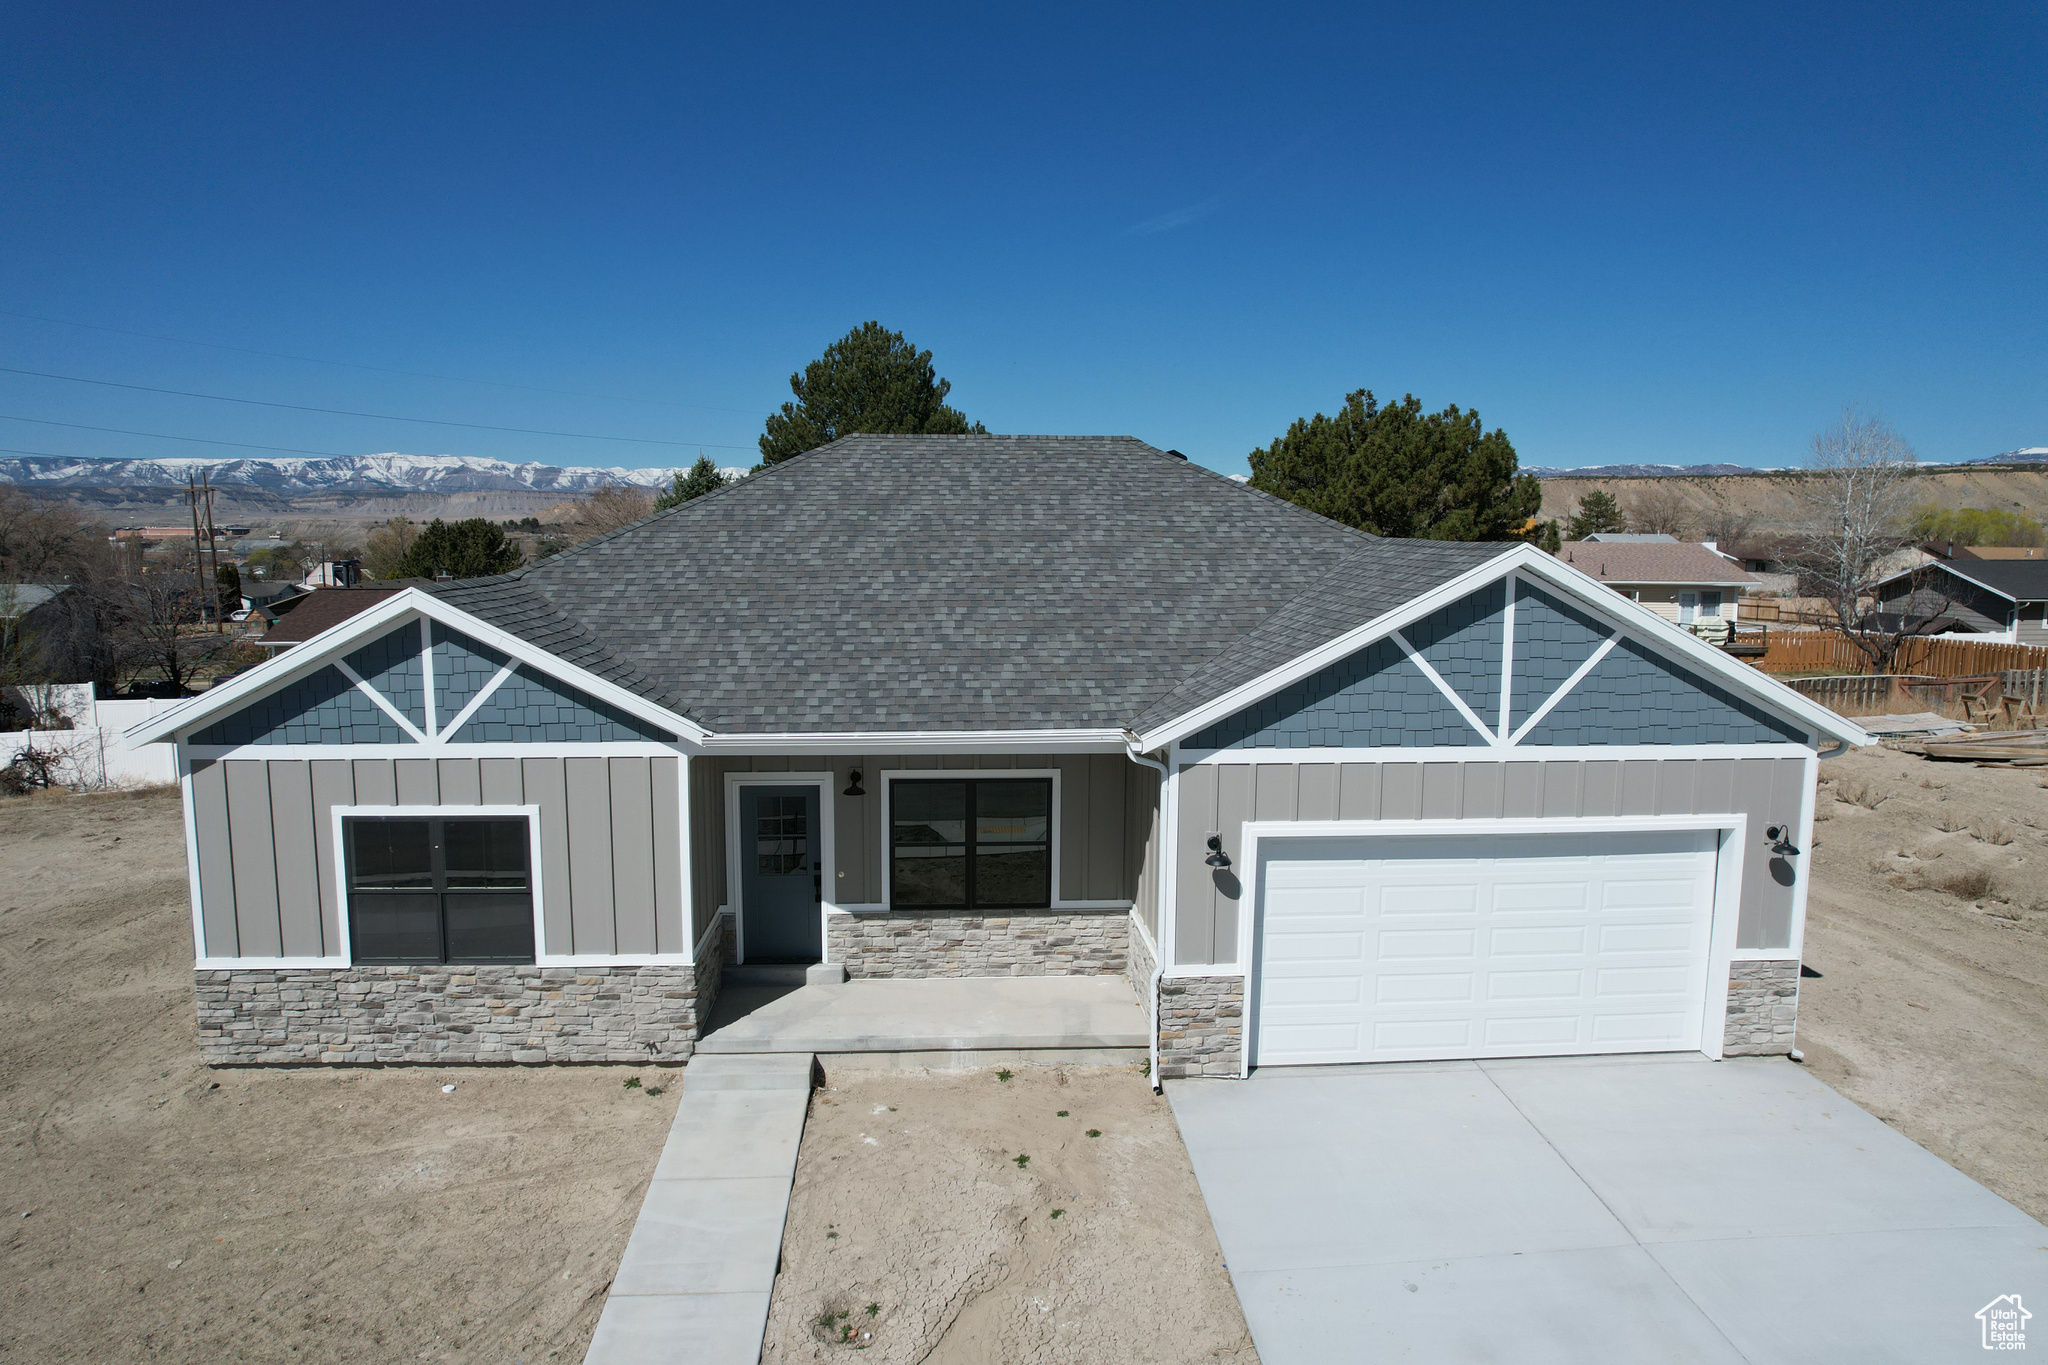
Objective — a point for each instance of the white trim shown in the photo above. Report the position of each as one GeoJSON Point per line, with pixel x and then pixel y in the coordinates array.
{"type": "Point", "coordinates": [310, 655]}
{"type": "Point", "coordinates": [192, 884]}
{"type": "Point", "coordinates": [1507, 657]}
{"type": "Point", "coordinates": [1803, 866]}
{"type": "Point", "coordinates": [828, 861]}
{"type": "Point", "coordinates": [475, 703]}
{"type": "Point", "coordinates": [1428, 671]}
{"type": "Point", "coordinates": [383, 702]}
{"type": "Point", "coordinates": [1605, 648]}
{"type": "Point", "coordinates": [1727, 905]}
{"type": "Point", "coordinates": [1145, 937]}
{"type": "Point", "coordinates": [1638, 622]}
{"type": "Point", "coordinates": [1526, 753]}
{"type": "Point", "coordinates": [862, 742]}
{"type": "Point", "coordinates": [436, 749]}
{"type": "Point", "coordinates": [1053, 839]}
{"type": "Point", "coordinates": [432, 726]}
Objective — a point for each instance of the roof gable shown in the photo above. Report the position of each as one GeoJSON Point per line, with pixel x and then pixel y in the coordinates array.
{"type": "Point", "coordinates": [1653, 562]}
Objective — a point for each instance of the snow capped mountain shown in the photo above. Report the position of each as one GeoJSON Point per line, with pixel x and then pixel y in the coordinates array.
{"type": "Point", "coordinates": [1638, 471]}
{"type": "Point", "coordinates": [386, 473]}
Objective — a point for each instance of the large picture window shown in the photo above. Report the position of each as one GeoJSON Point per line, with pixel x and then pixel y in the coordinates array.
{"type": "Point", "coordinates": [970, 845]}
{"type": "Point", "coordinates": [453, 890]}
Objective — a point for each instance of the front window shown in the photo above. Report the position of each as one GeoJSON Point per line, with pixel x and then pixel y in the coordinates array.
{"type": "Point", "coordinates": [455, 890]}
{"type": "Point", "coordinates": [970, 845]}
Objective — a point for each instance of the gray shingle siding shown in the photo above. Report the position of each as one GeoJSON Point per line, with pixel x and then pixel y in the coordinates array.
{"type": "Point", "coordinates": [323, 707]}
{"type": "Point", "coordinates": [1462, 642]}
{"type": "Point", "coordinates": [462, 668]}
{"type": "Point", "coordinates": [1552, 638]}
{"type": "Point", "coordinates": [391, 664]}
{"type": "Point", "coordinates": [528, 708]}
{"type": "Point", "coordinates": [1376, 698]}
{"type": "Point", "coordinates": [1634, 697]}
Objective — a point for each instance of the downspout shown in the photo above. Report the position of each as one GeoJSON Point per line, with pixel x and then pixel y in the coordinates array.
{"type": "Point", "coordinates": [1158, 939]}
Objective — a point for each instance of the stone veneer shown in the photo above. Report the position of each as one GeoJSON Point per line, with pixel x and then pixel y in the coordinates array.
{"type": "Point", "coordinates": [1139, 966]}
{"type": "Point", "coordinates": [1201, 1026]}
{"type": "Point", "coordinates": [937, 943]}
{"type": "Point", "coordinates": [1763, 1008]}
{"type": "Point", "coordinates": [272, 1016]}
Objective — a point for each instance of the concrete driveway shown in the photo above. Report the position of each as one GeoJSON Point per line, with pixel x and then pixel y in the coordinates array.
{"type": "Point", "coordinates": [1581, 1210]}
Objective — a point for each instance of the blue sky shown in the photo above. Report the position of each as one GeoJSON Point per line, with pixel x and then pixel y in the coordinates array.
{"type": "Point", "coordinates": [1633, 233]}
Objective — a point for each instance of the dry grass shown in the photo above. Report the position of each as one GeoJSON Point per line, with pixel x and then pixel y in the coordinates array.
{"type": "Point", "coordinates": [1997, 832]}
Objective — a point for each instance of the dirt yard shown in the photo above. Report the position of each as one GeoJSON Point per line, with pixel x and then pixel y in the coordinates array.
{"type": "Point", "coordinates": [965, 1219]}
{"type": "Point", "coordinates": [1928, 924]}
{"type": "Point", "coordinates": [156, 1210]}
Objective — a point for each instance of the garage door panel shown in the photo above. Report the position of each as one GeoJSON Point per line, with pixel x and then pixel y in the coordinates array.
{"type": "Point", "coordinates": [1535, 985]}
{"type": "Point", "coordinates": [1472, 946]}
{"type": "Point", "coordinates": [1532, 941]}
{"type": "Point", "coordinates": [1430, 987]}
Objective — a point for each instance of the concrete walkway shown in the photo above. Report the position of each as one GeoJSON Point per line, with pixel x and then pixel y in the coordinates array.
{"type": "Point", "coordinates": [1591, 1210]}
{"type": "Point", "coordinates": [694, 1282]}
{"type": "Point", "coordinates": [980, 1019]}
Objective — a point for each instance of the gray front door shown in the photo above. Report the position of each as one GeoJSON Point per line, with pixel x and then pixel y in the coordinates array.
{"type": "Point", "coordinates": [780, 871]}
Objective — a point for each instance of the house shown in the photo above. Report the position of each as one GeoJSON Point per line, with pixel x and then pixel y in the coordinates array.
{"type": "Point", "coordinates": [2004, 599]}
{"type": "Point", "coordinates": [275, 597]}
{"type": "Point", "coordinates": [1681, 582]}
{"type": "Point", "coordinates": [322, 611]}
{"type": "Point", "coordinates": [23, 608]}
{"type": "Point", "coordinates": [1003, 706]}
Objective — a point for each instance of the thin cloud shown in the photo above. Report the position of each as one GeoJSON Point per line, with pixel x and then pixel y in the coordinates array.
{"type": "Point", "coordinates": [1167, 222]}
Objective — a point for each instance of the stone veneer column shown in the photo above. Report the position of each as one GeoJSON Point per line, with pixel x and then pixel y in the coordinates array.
{"type": "Point", "coordinates": [937, 943]}
{"type": "Point", "coordinates": [1201, 1026]}
{"type": "Point", "coordinates": [446, 1014]}
{"type": "Point", "coordinates": [1763, 1008]}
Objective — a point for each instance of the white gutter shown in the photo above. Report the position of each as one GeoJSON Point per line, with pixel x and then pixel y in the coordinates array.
{"type": "Point", "coordinates": [1158, 939]}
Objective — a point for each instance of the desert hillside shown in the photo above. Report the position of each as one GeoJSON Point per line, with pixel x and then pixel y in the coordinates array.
{"type": "Point", "coordinates": [1764, 497]}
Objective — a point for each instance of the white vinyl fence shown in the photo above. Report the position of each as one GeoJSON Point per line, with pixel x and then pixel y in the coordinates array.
{"type": "Point", "coordinates": [94, 753]}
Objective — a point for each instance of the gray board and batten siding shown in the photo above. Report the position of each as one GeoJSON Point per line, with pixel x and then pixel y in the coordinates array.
{"type": "Point", "coordinates": [1222, 796]}
{"type": "Point", "coordinates": [610, 854]}
{"type": "Point", "coordinates": [1107, 811]}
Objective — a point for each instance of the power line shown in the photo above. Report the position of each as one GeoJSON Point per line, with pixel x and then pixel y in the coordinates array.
{"type": "Point", "coordinates": [373, 369]}
{"type": "Point", "coordinates": [374, 416]}
{"type": "Point", "coordinates": [159, 436]}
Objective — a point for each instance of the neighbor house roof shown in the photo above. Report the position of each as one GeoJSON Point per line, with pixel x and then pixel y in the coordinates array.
{"type": "Point", "coordinates": [1630, 538]}
{"type": "Point", "coordinates": [896, 583]}
{"type": "Point", "coordinates": [1640, 563]}
{"type": "Point", "coordinates": [326, 607]}
{"type": "Point", "coordinates": [2017, 580]}
{"type": "Point", "coordinates": [19, 599]}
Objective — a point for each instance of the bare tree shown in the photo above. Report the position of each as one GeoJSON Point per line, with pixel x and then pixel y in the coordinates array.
{"type": "Point", "coordinates": [1659, 506]}
{"type": "Point", "coordinates": [1854, 516]}
{"type": "Point", "coordinates": [1726, 524]}
{"type": "Point", "coordinates": [164, 618]}
{"type": "Point", "coordinates": [385, 550]}
{"type": "Point", "coordinates": [608, 509]}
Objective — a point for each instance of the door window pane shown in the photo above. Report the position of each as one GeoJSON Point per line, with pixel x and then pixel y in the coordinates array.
{"type": "Point", "coordinates": [781, 834]}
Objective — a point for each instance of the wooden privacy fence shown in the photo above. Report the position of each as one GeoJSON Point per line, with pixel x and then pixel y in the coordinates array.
{"type": "Point", "coordinates": [1984, 698]}
{"type": "Point", "coordinates": [1808, 651]}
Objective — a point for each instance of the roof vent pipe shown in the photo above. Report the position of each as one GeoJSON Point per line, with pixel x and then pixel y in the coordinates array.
{"type": "Point", "coordinates": [1176, 454]}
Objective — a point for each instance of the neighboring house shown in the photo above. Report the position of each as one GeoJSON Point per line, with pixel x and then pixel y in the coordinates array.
{"type": "Point", "coordinates": [1630, 538]}
{"type": "Point", "coordinates": [334, 573]}
{"type": "Point", "coordinates": [1003, 706]}
{"type": "Point", "coordinates": [1954, 551]}
{"type": "Point", "coordinates": [322, 611]}
{"type": "Point", "coordinates": [2005, 599]}
{"type": "Point", "coordinates": [1680, 582]}
{"type": "Point", "coordinates": [23, 607]}
{"type": "Point", "coordinates": [266, 595]}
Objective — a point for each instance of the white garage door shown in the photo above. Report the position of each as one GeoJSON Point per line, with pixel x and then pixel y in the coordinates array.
{"type": "Point", "coordinates": [1420, 948]}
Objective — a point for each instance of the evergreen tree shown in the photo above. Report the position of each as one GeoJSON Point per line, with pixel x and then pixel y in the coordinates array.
{"type": "Point", "coordinates": [1397, 471]}
{"type": "Point", "coordinates": [701, 478]}
{"type": "Point", "coordinates": [230, 580]}
{"type": "Point", "coordinates": [869, 381]}
{"type": "Point", "coordinates": [466, 549]}
{"type": "Point", "coordinates": [1598, 512]}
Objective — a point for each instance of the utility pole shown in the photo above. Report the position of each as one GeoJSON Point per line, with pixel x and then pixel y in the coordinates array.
{"type": "Point", "coordinates": [220, 624]}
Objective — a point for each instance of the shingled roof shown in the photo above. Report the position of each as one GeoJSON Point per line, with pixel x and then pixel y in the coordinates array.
{"type": "Point", "coordinates": [904, 583]}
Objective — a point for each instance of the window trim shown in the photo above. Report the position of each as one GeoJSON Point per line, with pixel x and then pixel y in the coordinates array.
{"type": "Point", "coordinates": [1050, 776]}
{"type": "Point", "coordinates": [337, 851]}
{"type": "Point", "coordinates": [441, 884]}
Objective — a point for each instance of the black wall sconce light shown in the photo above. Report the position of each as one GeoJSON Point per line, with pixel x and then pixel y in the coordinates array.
{"type": "Point", "coordinates": [1779, 837]}
{"type": "Point", "coordinates": [1217, 857]}
{"type": "Point", "coordinates": [853, 787]}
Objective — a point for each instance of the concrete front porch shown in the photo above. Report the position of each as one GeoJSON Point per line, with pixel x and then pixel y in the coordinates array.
{"type": "Point", "coordinates": [937, 1022]}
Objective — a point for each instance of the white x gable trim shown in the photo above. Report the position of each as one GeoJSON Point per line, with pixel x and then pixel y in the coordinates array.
{"type": "Point", "coordinates": [331, 644]}
{"type": "Point", "coordinates": [1637, 622]}
{"type": "Point", "coordinates": [383, 702]}
{"type": "Point", "coordinates": [1450, 694]}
